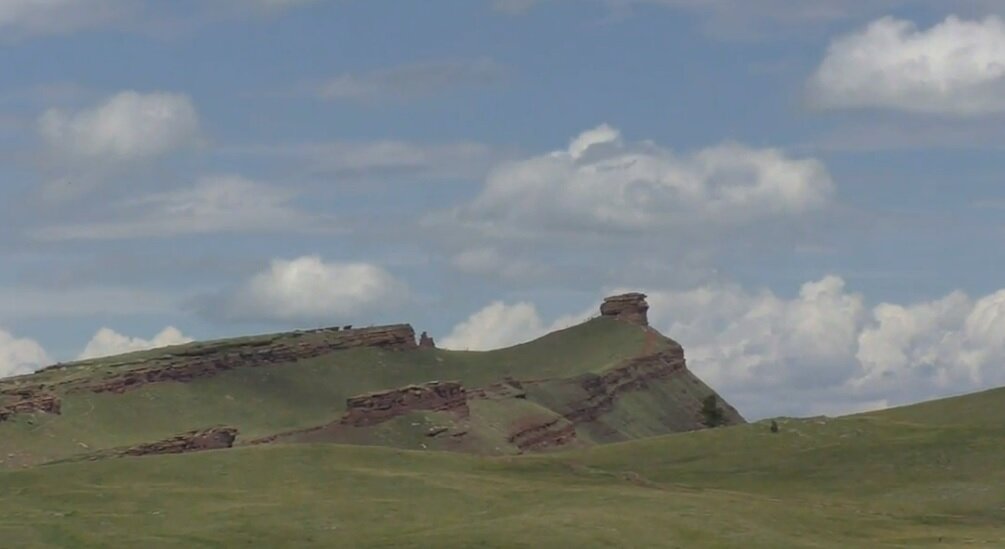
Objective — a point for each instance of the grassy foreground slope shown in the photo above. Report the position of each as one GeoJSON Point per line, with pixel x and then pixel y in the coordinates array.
{"type": "Point", "coordinates": [930, 475]}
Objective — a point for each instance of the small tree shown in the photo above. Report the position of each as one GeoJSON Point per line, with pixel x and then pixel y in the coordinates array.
{"type": "Point", "coordinates": [712, 412]}
{"type": "Point", "coordinates": [774, 426]}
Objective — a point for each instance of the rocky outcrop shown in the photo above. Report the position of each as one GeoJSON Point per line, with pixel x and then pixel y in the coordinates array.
{"type": "Point", "coordinates": [28, 400]}
{"type": "Point", "coordinates": [374, 408]}
{"type": "Point", "coordinates": [542, 436]}
{"type": "Point", "coordinates": [209, 359]}
{"type": "Point", "coordinates": [426, 341]}
{"type": "Point", "coordinates": [602, 392]}
{"type": "Point", "coordinates": [214, 438]}
{"type": "Point", "coordinates": [632, 375]}
{"type": "Point", "coordinates": [630, 307]}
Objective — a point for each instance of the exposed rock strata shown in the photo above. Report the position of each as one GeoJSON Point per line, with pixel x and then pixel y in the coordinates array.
{"type": "Point", "coordinates": [28, 400]}
{"type": "Point", "coordinates": [542, 436]}
{"type": "Point", "coordinates": [374, 408]}
{"type": "Point", "coordinates": [187, 365]}
{"type": "Point", "coordinates": [214, 438]}
{"type": "Point", "coordinates": [631, 307]}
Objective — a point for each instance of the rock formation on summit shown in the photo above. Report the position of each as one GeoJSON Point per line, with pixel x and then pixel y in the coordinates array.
{"type": "Point", "coordinates": [426, 341]}
{"type": "Point", "coordinates": [631, 307]}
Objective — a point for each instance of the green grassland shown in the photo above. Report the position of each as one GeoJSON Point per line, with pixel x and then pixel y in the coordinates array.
{"type": "Point", "coordinates": [910, 477]}
{"type": "Point", "coordinates": [929, 475]}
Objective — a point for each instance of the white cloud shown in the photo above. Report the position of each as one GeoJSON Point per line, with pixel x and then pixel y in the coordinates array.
{"type": "Point", "coordinates": [601, 183]}
{"type": "Point", "coordinates": [20, 356]}
{"type": "Point", "coordinates": [956, 67]}
{"type": "Point", "coordinates": [826, 351]}
{"type": "Point", "coordinates": [108, 342]}
{"type": "Point", "coordinates": [126, 128]}
{"type": "Point", "coordinates": [29, 17]}
{"type": "Point", "coordinates": [417, 79]}
{"type": "Point", "coordinates": [500, 325]}
{"type": "Point", "coordinates": [307, 288]}
{"type": "Point", "coordinates": [215, 204]}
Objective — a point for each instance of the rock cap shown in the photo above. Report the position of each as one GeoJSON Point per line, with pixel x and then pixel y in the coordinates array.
{"type": "Point", "coordinates": [630, 307]}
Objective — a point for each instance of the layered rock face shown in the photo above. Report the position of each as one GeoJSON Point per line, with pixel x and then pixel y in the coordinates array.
{"type": "Point", "coordinates": [373, 408]}
{"type": "Point", "coordinates": [214, 438]}
{"type": "Point", "coordinates": [210, 360]}
{"type": "Point", "coordinates": [630, 307]}
{"type": "Point", "coordinates": [27, 400]}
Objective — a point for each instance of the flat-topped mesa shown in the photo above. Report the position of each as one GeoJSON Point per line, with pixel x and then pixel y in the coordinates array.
{"type": "Point", "coordinates": [187, 363]}
{"type": "Point", "coordinates": [631, 307]}
{"type": "Point", "coordinates": [426, 341]}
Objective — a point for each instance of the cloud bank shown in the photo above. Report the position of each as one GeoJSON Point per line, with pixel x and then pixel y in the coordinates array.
{"type": "Point", "coordinates": [956, 67]}
{"type": "Point", "coordinates": [20, 356]}
{"type": "Point", "coordinates": [107, 342]}
{"type": "Point", "coordinates": [601, 183]}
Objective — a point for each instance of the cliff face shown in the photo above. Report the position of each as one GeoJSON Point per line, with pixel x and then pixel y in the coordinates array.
{"type": "Point", "coordinates": [630, 307]}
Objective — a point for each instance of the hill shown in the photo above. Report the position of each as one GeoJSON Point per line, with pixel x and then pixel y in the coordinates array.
{"type": "Point", "coordinates": [610, 379]}
{"type": "Point", "coordinates": [921, 476]}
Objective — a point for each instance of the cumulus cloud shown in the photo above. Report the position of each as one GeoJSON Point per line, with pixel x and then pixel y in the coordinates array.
{"type": "Point", "coordinates": [826, 351]}
{"type": "Point", "coordinates": [500, 325]}
{"type": "Point", "coordinates": [309, 289]}
{"type": "Point", "coordinates": [127, 127]}
{"type": "Point", "coordinates": [956, 67]}
{"type": "Point", "coordinates": [412, 80]}
{"type": "Point", "coordinates": [215, 204]}
{"type": "Point", "coordinates": [108, 342]}
{"type": "Point", "coordinates": [20, 356]}
{"type": "Point", "coordinates": [602, 183]}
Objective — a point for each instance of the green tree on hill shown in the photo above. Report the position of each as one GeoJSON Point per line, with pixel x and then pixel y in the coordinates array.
{"type": "Point", "coordinates": [712, 412]}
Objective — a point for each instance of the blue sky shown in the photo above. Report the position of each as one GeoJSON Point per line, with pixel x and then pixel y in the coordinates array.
{"type": "Point", "coordinates": [809, 191]}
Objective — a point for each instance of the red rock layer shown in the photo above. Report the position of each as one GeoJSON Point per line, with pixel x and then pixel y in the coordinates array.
{"type": "Point", "coordinates": [374, 408]}
{"type": "Point", "coordinates": [630, 307]}
{"type": "Point", "coordinates": [211, 360]}
{"type": "Point", "coordinates": [28, 400]}
{"type": "Point", "coordinates": [214, 438]}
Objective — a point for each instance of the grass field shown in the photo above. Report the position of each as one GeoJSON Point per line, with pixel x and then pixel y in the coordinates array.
{"type": "Point", "coordinates": [910, 477]}
{"type": "Point", "coordinates": [929, 475]}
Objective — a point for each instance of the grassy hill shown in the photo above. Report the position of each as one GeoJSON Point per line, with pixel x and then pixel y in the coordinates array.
{"type": "Point", "coordinates": [630, 463]}
{"type": "Point", "coordinates": [301, 393]}
{"type": "Point", "coordinates": [920, 476]}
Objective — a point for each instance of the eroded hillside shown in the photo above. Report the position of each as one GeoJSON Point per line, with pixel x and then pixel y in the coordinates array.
{"type": "Point", "coordinates": [610, 379]}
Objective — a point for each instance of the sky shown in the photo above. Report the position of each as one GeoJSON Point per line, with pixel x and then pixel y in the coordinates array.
{"type": "Point", "coordinates": [809, 191]}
